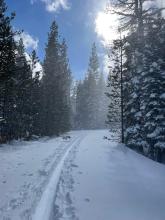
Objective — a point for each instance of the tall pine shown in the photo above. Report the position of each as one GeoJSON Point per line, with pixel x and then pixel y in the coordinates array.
{"type": "Point", "coordinates": [7, 74]}
{"type": "Point", "coordinates": [56, 85]}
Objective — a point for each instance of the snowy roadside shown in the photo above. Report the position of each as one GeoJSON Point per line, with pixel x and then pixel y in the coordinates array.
{"type": "Point", "coordinates": [26, 169]}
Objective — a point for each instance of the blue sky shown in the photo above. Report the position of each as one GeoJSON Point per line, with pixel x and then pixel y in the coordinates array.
{"type": "Point", "coordinates": [76, 21]}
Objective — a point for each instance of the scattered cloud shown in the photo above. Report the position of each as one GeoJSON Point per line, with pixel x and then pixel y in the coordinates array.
{"type": "Point", "coordinates": [54, 5]}
{"type": "Point", "coordinates": [30, 42]}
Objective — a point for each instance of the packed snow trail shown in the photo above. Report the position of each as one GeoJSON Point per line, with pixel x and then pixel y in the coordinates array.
{"type": "Point", "coordinates": [27, 170]}
{"type": "Point", "coordinates": [104, 180]}
{"type": "Point", "coordinates": [45, 205]}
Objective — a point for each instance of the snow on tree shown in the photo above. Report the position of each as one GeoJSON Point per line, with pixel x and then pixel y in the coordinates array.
{"type": "Point", "coordinates": [143, 76]}
{"type": "Point", "coordinates": [114, 91]}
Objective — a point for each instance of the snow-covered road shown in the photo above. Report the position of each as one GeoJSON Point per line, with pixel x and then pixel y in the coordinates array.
{"type": "Point", "coordinates": [106, 181]}
{"type": "Point", "coordinates": [84, 178]}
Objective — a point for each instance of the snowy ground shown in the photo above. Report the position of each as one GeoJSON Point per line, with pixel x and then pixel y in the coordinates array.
{"type": "Point", "coordinates": [84, 178]}
{"type": "Point", "coordinates": [25, 170]}
{"type": "Point", "coordinates": [107, 181]}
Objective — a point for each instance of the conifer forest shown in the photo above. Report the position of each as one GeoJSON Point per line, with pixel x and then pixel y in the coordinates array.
{"type": "Point", "coordinates": [70, 92]}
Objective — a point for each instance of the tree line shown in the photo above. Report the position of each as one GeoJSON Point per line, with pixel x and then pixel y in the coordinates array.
{"type": "Point", "coordinates": [32, 105]}
{"type": "Point", "coordinates": [89, 100]}
{"type": "Point", "coordinates": [36, 103]}
{"type": "Point", "coordinates": [137, 78]}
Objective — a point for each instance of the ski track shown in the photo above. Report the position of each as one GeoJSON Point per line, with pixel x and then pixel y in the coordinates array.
{"type": "Point", "coordinates": [26, 169]}
{"type": "Point", "coordinates": [44, 208]}
{"type": "Point", "coordinates": [84, 178]}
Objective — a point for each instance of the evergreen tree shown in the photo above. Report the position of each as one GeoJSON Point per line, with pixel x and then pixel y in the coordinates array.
{"type": "Point", "coordinates": [80, 107]}
{"type": "Point", "coordinates": [74, 89]}
{"type": "Point", "coordinates": [153, 89]}
{"type": "Point", "coordinates": [143, 78]}
{"type": "Point", "coordinates": [50, 83]}
{"type": "Point", "coordinates": [102, 106]}
{"type": "Point", "coordinates": [36, 96]}
{"type": "Point", "coordinates": [65, 86]}
{"type": "Point", "coordinates": [7, 74]}
{"type": "Point", "coordinates": [90, 104]}
{"type": "Point", "coordinates": [114, 91]}
{"type": "Point", "coordinates": [91, 90]}
{"type": "Point", "coordinates": [23, 93]}
{"type": "Point", "coordinates": [56, 84]}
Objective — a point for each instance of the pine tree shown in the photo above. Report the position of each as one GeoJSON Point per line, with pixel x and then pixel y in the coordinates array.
{"type": "Point", "coordinates": [91, 90]}
{"type": "Point", "coordinates": [36, 96]}
{"type": "Point", "coordinates": [7, 74]}
{"type": "Point", "coordinates": [114, 91]}
{"type": "Point", "coordinates": [65, 86]}
{"type": "Point", "coordinates": [91, 100]}
{"type": "Point", "coordinates": [153, 89]}
{"type": "Point", "coordinates": [143, 74]}
{"type": "Point", "coordinates": [134, 16]}
{"type": "Point", "coordinates": [102, 106]}
{"type": "Point", "coordinates": [80, 107]}
{"type": "Point", "coordinates": [74, 89]}
{"type": "Point", "coordinates": [56, 84]}
{"type": "Point", "coordinates": [50, 84]}
{"type": "Point", "coordinates": [23, 93]}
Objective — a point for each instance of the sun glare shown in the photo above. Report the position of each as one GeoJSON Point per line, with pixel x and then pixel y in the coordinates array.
{"type": "Point", "coordinates": [106, 26]}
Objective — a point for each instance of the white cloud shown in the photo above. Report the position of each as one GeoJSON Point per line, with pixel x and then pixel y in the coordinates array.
{"type": "Point", "coordinates": [54, 5]}
{"type": "Point", "coordinates": [29, 41]}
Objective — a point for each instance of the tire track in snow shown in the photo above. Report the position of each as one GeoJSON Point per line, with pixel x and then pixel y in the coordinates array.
{"type": "Point", "coordinates": [45, 205]}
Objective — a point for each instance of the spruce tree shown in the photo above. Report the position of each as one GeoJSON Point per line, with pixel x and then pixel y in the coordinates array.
{"type": "Point", "coordinates": [153, 89]}
{"type": "Point", "coordinates": [56, 85]}
{"type": "Point", "coordinates": [102, 107]}
{"type": "Point", "coordinates": [23, 93]}
{"type": "Point", "coordinates": [91, 100]}
{"type": "Point", "coordinates": [114, 92]}
{"type": "Point", "coordinates": [7, 74]}
{"type": "Point", "coordinates": [65, 85]}
{"type": "Point", "coordinates": [143, 76]}
{"type": "Point", "coordinates": [74, 88]}
{"type": "Point", "coordinates": [80, 106]}
{"type": "Point", "coordinates": [36, 96]}
{"type": "Point", "coordinates": [91, 90]}
{"type": "Point", "coordinates": [50, 84]}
